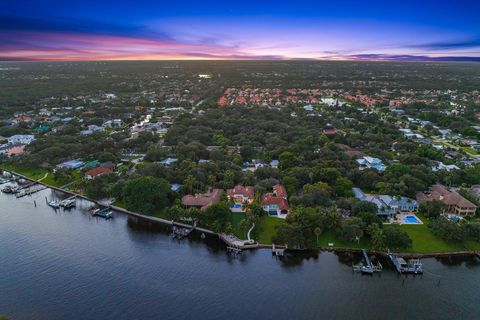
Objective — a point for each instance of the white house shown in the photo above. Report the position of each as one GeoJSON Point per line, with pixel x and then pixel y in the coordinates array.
{"type": "Point", "coordinates": [371, 162]}
{"type": "Point", "coordinates": [442, 166]}
{"type": "Point", "coordinates": [21, 139]}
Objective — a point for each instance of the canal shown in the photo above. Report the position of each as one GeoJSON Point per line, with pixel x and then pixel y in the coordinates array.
{"type": "Point", "coordinates": [58, 264]}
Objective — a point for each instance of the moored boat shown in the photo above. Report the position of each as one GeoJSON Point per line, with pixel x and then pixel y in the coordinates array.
{"type": "Point", "coordinates": [68, 203]}
{"type": "Point", "coordinates": [103, 213]}
{"type": "Point", "coordinates": [54, 204]}
{"type": "Point", "coordinates": [412, 266]}
{"type": "Point", "coordinates": [10, 189]}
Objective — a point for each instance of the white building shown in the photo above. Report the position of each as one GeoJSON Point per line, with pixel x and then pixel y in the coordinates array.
{"type": "Point", "coordinates": [442, 166]}
{"type": "Point", "coordinates": [21, 139]}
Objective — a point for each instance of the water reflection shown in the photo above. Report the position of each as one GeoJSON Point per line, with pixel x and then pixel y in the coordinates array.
{"type": "Point", "coordinates": [467, 260]}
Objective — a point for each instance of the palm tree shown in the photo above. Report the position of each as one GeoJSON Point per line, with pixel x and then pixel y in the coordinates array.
{"type": "Point", "coordinates": [318, 232]}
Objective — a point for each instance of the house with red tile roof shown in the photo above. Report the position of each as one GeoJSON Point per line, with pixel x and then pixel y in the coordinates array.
{"type": "Point", "coordinates": [98, 171]}
{"type": "Point", "coordinates": [453, 202]}
{"type": "Point", "coordinates": [15, 150]}
{"type": "Point", "coordinates": [276, 203]}
{"type": "Point", "coordinates": [240, 195]}
{"type": "Point", "coordinates": [202, 201]}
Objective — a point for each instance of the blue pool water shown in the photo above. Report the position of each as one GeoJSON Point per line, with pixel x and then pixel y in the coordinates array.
{"type": "Point", "coordinates": [237, 206]}
{"type": "Point", "coordinates": [411, 219]}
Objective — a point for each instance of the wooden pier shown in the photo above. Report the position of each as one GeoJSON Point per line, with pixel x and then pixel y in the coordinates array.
{"type": "Point", "coordinates": [236, 246]}
{"type": "Point", "coordinates": [29, 191]}
{"type": "Point", "coordinates": [277, 252]}
{"type": "Point", "coordinates": [368, 267]}
{"type": "Point", "coordinates": [180, 232]}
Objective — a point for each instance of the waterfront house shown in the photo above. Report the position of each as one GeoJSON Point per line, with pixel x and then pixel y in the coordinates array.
{"type": "Point", "coordinates": [387, 205]}
{"type": "Point", "coordinates": [453, 202]}
{"type": "Point", "coordinates": [240, 195]}
{"type": "Point", "coordinates": [72, 165]}
{"type": "Point", "coordinates": [276, 203]}
{"type": "Point", "coordinates": [98, 171]}
{"type": "Point", "coordinates": [202, 201]}
{"type": "Point", "coordinates": [371, 163]}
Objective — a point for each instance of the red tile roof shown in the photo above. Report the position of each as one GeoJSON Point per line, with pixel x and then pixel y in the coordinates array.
{"type": "Point", "coordinates": [439, 192]}
{"type": "Point", "coordinates": [280, 191]}
{"type": "Point", "coordinates": [97, 171]}
{"type": "Point", "coordinates": [15, 150]}
{"type": "Point", "coordinates": [247, 192]}
{"type": "Point", "coordinates": [202, 200]}
{"type": "Point", "coordinates": [269, 199]}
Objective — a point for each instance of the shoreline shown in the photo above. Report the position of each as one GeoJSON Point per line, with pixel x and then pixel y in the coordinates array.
{"type": "Point", "coordinates": [152, 219]}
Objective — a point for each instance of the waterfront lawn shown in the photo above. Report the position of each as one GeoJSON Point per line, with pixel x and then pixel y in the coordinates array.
{"type": "Point", "coordinates": [31, 172]}
{"type": "Point", "coordinates": [267, 229]}
{"type": "Point", "coordinates": [39, 173]}
{"type": "Point", "coordinates": [424, 241]}
{"type": "Point", "coordinates": [472, 245]}
{"type": "Point", "coordinates": [119, 203]}
{"type": "Point", "coordinates": [328, 236]}
{"type": "Point", "coordinates": [235, 218]}
{"type": "Point", "coordinates": [161, 213]}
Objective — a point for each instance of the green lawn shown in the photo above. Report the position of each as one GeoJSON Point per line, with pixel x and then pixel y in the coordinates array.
{"type": "Point", "coordinates": [469, 150]}
{"type": "Point", "coordinates": [119, 203]}
{"type": "Point", "coordinates": [329, 237]}
{"type": "Point", "coordinates": [266, 229]}
{"type": "Point", "coordinates": [31, 172]}
{"type": "Point", "coordinates": [424, 241]}
{"type": "Point", "coordinates": [235, 219]}
{"type": "Point", "coordinates": [38, 173]}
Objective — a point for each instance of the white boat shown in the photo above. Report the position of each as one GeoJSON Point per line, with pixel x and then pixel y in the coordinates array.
{"type": "Point", "coordinates": [54, 204]}
{"type": "Point", "coordinates": [67, 203]}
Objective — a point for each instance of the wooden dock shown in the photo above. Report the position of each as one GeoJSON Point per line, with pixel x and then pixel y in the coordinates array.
{"type": "Point", "coordinates": [180, 232]}
{"type": "Point", "coordinates": [368, 267]}
{"type": "Point", "coordinates": [277, 252]}
{"type": "Point", "coordinates": [236, 245]}
{"type": "Point", "coordinates": [29, 191]}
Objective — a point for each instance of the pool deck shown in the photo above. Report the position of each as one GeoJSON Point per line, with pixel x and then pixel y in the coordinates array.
{"type": "Point", "coordinates": [401, 219]}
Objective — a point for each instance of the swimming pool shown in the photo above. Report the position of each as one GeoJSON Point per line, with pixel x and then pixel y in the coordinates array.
{"type": "Point", "coordinates": [411, 220]}
{"type": "Point", "coordinates": [237, 206]}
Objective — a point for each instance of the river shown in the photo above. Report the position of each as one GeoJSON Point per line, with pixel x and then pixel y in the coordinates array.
{"type": "Point", "coordinates": [68, 265]}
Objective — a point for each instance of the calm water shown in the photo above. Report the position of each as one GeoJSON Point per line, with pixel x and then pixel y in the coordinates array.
{"type": "Point", "coordinates": [67, 265]}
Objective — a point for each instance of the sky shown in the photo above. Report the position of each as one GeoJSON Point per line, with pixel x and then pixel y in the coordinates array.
{"type": "Point", "coordinates": [280, 30]}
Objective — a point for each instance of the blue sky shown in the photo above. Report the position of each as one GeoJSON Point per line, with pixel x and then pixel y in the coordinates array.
{"type": "Point", "coordinates": [366, 30]}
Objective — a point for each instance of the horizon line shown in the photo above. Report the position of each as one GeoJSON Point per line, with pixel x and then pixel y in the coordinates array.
{"type": "Point", "coordinates": [431, 60]}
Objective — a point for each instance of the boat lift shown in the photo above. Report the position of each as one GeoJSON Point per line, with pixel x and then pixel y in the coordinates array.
{"type": "Point", "coordinates": [368, 267]}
